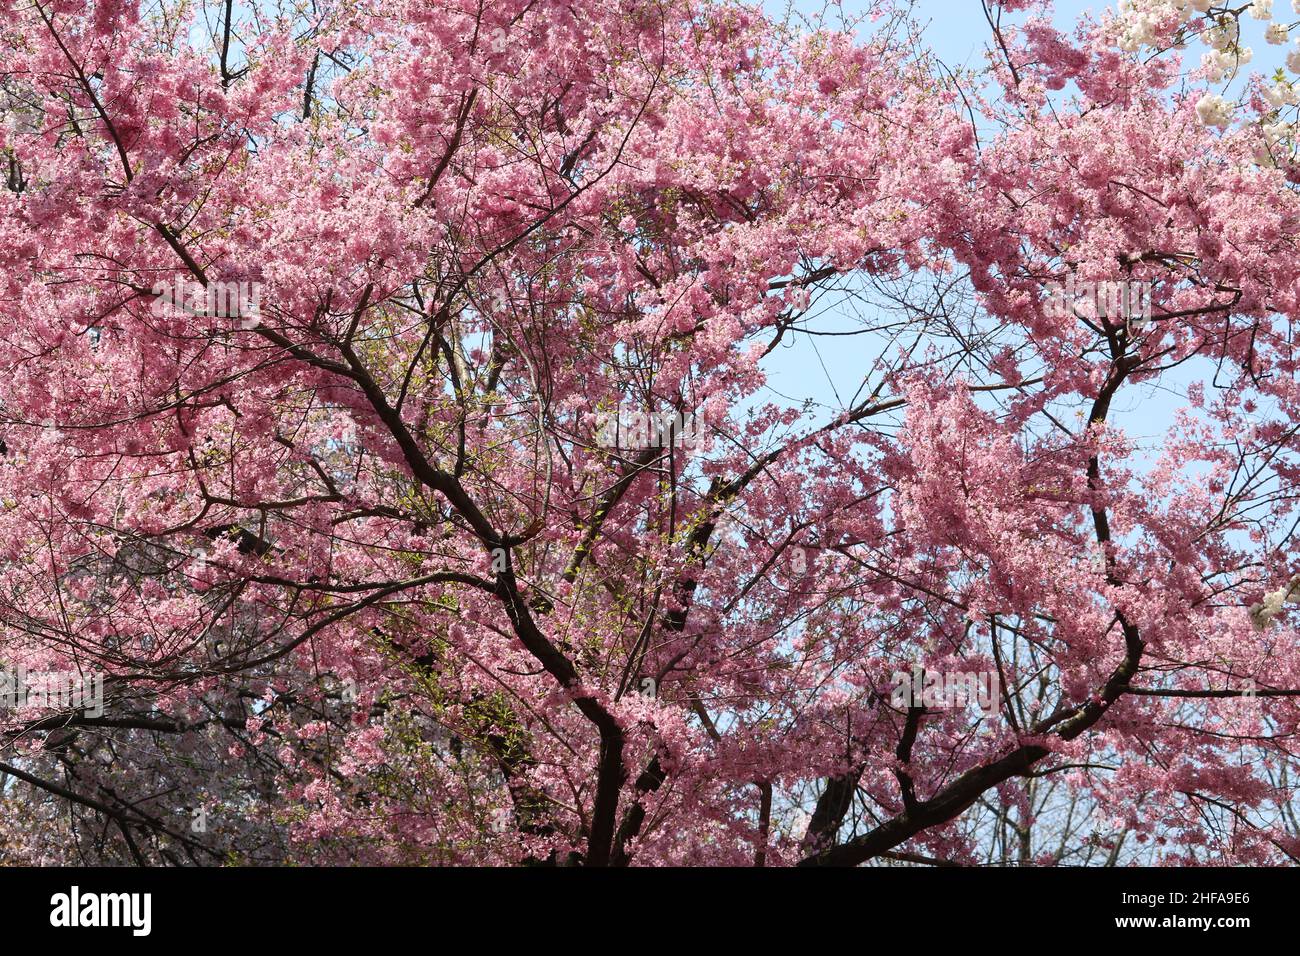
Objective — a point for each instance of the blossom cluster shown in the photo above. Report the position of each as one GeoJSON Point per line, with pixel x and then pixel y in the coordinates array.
{"type": "Point", "coordinates": [1161, 23]}
{"type": "Point", "coordinates": [1222, 28]}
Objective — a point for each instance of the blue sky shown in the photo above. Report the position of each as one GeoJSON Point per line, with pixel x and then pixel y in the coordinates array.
{"type": "Point", "coordinates": [958, 32]}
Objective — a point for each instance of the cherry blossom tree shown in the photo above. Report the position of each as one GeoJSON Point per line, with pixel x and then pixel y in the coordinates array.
{"type": "Point", "coordinates": [388, 421]}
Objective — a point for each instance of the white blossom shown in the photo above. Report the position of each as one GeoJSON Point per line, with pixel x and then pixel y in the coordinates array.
{"type": "Point", "coordinates": [1274, 132]}
{"type": "Point", "coordinates": [1263, 612]}
{"type": "Point", "coordinates": [1279, 95]}
{"type": "Point", "coordinates": [1212, 61]}
{"type": "Point", "coordinates": [1214, 110]}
